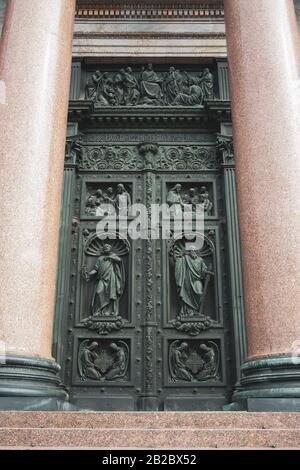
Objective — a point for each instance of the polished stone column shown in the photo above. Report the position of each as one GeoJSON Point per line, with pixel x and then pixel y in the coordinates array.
{"type": "Point", "coordinates": [35, 61]}
{"type": "Point", "coordinates": [264, 62]}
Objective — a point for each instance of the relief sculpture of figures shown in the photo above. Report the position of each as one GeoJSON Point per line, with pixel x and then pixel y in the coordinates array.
{"type": "Point", "coordinates": [108, 201]}
{"type": "Point", "coordinates": [146, 87]}
{"type": "Point", "coordinates": [110, 274]}
{"type": "Point", "coordinates": [205, 200]}
{"type": "Point", "coordinates": [123, 200]}
{"type": "Point", "coordinates": [86, 361]}
{"type": "Point", "coordinates": [192, 199]}
{"type": "Point", "coordinates": [193, 361]}
{"type": "Point", "coordinates": [174, 199]}
{"type": "Point", "coordinates": [104, 361]}
{"type": "Point", "coordinates": [150, 86]}
{"type": "Point", "coordinates": [192, 278]}
{"type": "Point", "coordinates": [172, 85]}
{"type": "Point", "coordinates": [190, 275]}
{"type": "Point", "coordinates": [178, 358]}
{"type": "Point", "coordinates": [130, 85]}
{"type": "Point", "coordinates": [108, 283]}
{"type": "Point", "coordinates": [92, 86]}
{"type": "Point", "coordinates": [206, 82]}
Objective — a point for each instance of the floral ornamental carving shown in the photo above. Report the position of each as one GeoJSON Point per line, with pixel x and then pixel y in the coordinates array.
{"type": "Point", "coordinates": [103, 361]}
{"type": "Point", "coordinates": [146, 87]}
{"type": "Point", "coordinates": [149, 152]}
{"type": "Point", "coordinates": [147, 156]}
{"type": "Point", "coordinates": [192, 277]}
{"type": "Point", "coordinates": [193, 361]}
{"type": "Point", "coordinates": [108, 274]}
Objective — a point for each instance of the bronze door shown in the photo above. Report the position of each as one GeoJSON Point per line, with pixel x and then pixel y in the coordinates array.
{"type": "Point", "coordinates": [146, 323]}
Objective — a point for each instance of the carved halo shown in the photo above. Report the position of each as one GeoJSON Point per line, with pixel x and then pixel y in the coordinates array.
{"type": "Point", "coordinates": [178, 245]}
{"type": "Point", "coordinates": [95, 243]}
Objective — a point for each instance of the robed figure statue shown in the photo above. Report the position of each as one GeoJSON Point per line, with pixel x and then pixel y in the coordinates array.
{"type": "Point", "coordinates": [190, 274]}
{"type": "Point", "coordinates": [110, 274]}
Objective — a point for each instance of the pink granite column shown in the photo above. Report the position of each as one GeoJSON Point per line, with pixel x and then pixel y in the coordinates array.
{"type": "Point", "coordinates": [264, 61]}
{"type": "Point", "coordinates": [35, 61]}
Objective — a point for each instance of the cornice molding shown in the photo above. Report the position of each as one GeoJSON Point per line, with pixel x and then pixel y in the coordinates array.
{"type": "Point", "coordinates": [149, 10]}
{"type": "Point", "coordinates": [213, 111]}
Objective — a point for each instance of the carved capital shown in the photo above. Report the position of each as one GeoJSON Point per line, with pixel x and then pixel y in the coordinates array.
{"type": "Point", "coordinates": [225, 149]}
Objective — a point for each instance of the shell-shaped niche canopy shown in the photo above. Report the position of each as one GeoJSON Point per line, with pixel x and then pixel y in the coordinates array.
{"type": "Point", "coordinates": [195, 241]}
{"type": "Point", "coordinates": [95, 244]}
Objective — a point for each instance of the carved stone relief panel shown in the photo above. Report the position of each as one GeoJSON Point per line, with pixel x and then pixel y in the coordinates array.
{"type": "Point", "coordinates": [194, 196]}
{"type": "Point", "coordinates": [194, 361]}
{"type": "Point", "coordinates": [104, 198]}
{"type": "Point", "coordinates": [147, 156]}
{"type": "Point", "coordinates": [104, 360]}
{"type": "Point", "coordinates": [147, 87]}
{"type": "Point", "coordinates": [193, 284]}
{"type": "Point", "coordinates": [105, 283]}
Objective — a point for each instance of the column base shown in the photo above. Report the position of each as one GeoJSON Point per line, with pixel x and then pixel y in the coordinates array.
{"type": "Point", "coordinates": [268, 384]}
{"type": "Point", "coordinates": [28, 383]}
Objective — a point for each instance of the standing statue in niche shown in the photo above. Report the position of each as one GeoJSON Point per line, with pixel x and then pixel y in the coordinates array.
{"type": "Point", "coordinates": [150, 86]}
{"type": "Point", "coordinates": [190, 275]}
{"type": "Point", "coordinates": [110, 273]}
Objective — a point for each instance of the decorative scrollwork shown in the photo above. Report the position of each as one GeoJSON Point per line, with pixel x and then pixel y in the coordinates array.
{"type": "Point", "coordinates": [148, 156]}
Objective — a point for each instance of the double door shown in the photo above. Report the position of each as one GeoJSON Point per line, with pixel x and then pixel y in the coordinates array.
{"type": "Point", "coordinates": [149, 325]}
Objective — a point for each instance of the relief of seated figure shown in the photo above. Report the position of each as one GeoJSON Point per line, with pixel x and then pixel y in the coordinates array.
{"type": "Point", "coordinates": [150, 87]}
